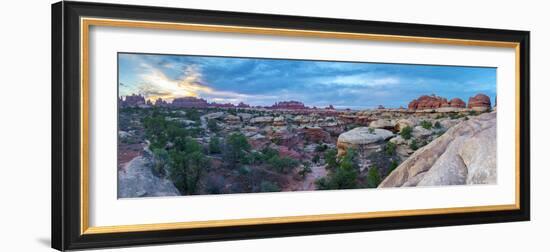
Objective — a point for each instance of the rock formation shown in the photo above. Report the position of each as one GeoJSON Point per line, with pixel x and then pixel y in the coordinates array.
{"type": "Point", "coordinates": [480, 102]}
{"type": "Point", "coordinates": [288, 105]}
{"type": "Point", "coordinates": [189, 102]}
{"type": "Point", "coordinates": [465, 154]}
{"type": "Point", "coordinates": [361, 137]}
{"type": "Point", "coordinates": [137, 180]}
{"type": "Point", "coordinates": [457, 103]}
{"type": "Point", "coordinates": [435, 102]}
{"type": "Point", "coordinates": [316, 134]}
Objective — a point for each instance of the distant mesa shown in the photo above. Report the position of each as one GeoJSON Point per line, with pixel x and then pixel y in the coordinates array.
{"type": "Point", "coordinates": [479, 102]}
{"type": "Point", "coordinates": [189, 102]}
{"type": "Point", "coordinates": [137, 100]}
{"type": "Point", "coordinates": [289, 105]}
{"type": "Point", "coordinates": [381, 107]}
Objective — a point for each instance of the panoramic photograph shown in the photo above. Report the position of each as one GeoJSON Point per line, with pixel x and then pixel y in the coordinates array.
{"type": "Point", "coordinates": [202, 125]}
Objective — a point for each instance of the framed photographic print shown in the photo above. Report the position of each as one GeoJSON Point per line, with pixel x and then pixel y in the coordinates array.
{"type": "Point", "coordinates": [180, 125]}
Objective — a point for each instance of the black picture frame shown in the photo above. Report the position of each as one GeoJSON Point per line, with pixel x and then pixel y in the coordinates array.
{"type": "Point", "coordinates": [66, 156]}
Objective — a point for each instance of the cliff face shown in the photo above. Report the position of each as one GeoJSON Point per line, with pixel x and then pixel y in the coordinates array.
{"type": "Point", "coordinates": [465, 154]}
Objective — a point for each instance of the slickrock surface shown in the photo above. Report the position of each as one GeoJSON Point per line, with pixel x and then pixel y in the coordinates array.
{"type": "Point", "coordinates": [465, 154]}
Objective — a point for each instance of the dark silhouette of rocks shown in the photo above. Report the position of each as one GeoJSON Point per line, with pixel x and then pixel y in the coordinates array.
{"type": "Point", "coordinates": [288, 105]}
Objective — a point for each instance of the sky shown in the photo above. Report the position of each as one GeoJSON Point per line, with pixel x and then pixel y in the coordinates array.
{"type": "Point", "coordinates": [258, 81]}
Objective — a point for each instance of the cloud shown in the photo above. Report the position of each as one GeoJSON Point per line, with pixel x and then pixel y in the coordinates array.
{"type": "Point", "coordinates": [363, 80]}
{"type": "Point", "coordinates": [156, 84]}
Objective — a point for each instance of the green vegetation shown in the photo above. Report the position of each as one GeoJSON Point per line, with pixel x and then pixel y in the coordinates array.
{"type": "Point", "coordinates": [213, 125]}
{"type": "Point", "coordinates": [413, 145]}
{"type": "Point", "coordinates": [321, 148]}
{"type": "Point", "coordinates": [316, 159]}
{"type": "Point", "coordinates": [393, 165]}
{"type": "Point", "coordinates": [344, 176]}
{"type": "Point", "coordinates": [267, 186]}
{"type": "Point", "coordinates": [193, 114]}
{"type": "Point", "coordinates": [186, 168]}
{"type": "Point", "coordinates": [282, 164]}
{"type": "Point", "coordinates": [237, 147]}
{"type": "Point", "coordinates": [390, 148]}
{"type": "Point", "coordinates": [437, 125]}
{"type": "Point", "coordinates": [330, 158]}
{"type": "Point", "coordinates": [371, 130]}
{"type": "Point", "coordinates": [161, 160]}
{"type": "Point", "coordinates": [306, 169]}
{"type": "Point", "coordinates": [455, 115]}
{"type": "Point", "coordinates": [214, 146]}
{"type": "Point", "coordinates": [406, 132]}
{"type": "Point", "coordinates": [426, 124]}
{"type": "Point", "coordinates": [174, 149]}
{"type": "Point", "coordinates": [373, 177]}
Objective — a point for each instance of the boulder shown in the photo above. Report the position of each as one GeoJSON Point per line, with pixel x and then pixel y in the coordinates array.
{"type": "Point", "coordinates": [361, 136]}
{"type": "Point", "coordinates": [316, 134]}
{"type": "Point", "coordinates": [138, 180]}
{"type": "Point", "coordinates": [402, 123]}
{"type": "Point", "coordinates": [215, 115]}
{"type": "Point", "coordinates": [258, 141]}
{"type": "Point", "coordinates": [382, 124]}
{"type": "Point", "coordinates": [421, 132]}
{"type": "Point", "coordinates": [231, 119]}
{"type": "Point", "coordinates": [261, 120]}
{"type": "Point", "coordinates": [245, 116]}
{"type": "Point", "coordinates": [465, 154]}
{"type": "Point", "coordinates": [279, 121]}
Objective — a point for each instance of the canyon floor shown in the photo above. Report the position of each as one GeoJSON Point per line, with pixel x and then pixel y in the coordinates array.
{"type": "Point", "coordinates": [248, 150]}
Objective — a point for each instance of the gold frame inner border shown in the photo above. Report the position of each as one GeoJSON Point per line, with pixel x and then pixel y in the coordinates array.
{"type": "Point", "coordinates": [86, 23]}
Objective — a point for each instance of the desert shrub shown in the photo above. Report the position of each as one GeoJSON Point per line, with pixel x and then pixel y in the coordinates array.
{"type": "Point", "coordinates": [186, 169]}
{"type": "Point", "coordinates": [344, 176]}
{"type": "Point", "coordinates": [437, 125]}
{"type": "Point", "coordinates": [371, 130]}
{"type": "Point", "coordinates": [215, 184]}
{"type": "Point", "coordinates": [282, 164]}
{"type": "Point", "coordinates": [213, 125]}
{"type": "Point", "coordinates": [321, 148]}
{"type": "Point", "coordinates": [214, 146]}
{"type": "Point", "coordinates": [426, 124]}
{"type": "Point", "coordinates": [390, 148]}
{"type": "Point", "coordinates": [306, 169]}
{"type": "Point", "coordinates": [244, 170]}
{"type": "Point", "coordinates": [316, 159]}
{"type": "Point", "coordinates": [373, 177]}
{"type": "Point", "coordinates": [267, 186]}
{"type": "Point", "coordinates": [406, 132]}
{"type": "Point", "coordinates": [236, 149]}
{"type": "Point", "coordinates": [393, 165]}
{"type": "Point", "coordinates": [161, 160]}
{"type": "Point", "coordinates": [193, 114]}
{"type": "Point", "coordinates": [330, 158]}
{"type": "Point", "coordinates": [455, 115]}
{"type": "Point", "coordinates": [414, 144]}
